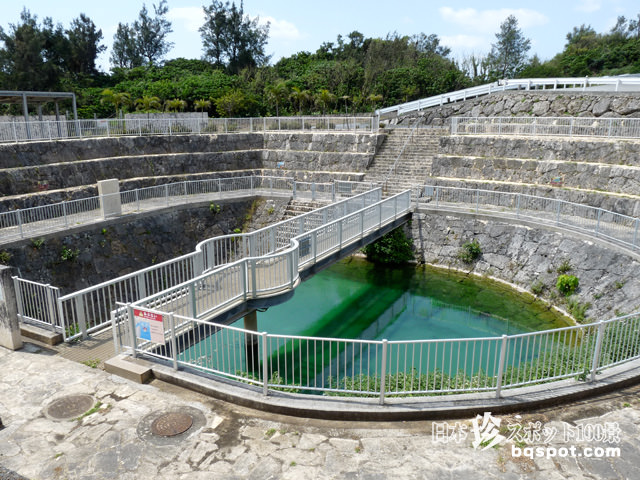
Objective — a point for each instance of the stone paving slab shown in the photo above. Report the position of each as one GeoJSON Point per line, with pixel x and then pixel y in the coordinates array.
{"type": "Point", "coordinates": [237, 443]}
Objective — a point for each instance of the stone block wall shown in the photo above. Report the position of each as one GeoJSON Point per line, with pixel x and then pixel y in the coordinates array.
{"type": "Point", "coordinates": [522, 255]}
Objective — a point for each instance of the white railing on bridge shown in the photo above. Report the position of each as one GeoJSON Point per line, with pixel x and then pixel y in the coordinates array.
{"type": "Point", "coordinates": [21, 131]}
{"type": "Point", "coordinates": [378, 368]}
{"type": "Point", "coordinates": [611, 83]}
{"type": "Point", "coordinates": [31, 222]}
{"type": "Point", "coordinates": [556, 126]}
{"type": "Point", "coordinates": [279, 253]}
{"type": "Point", "coordinates": [88, 310]}
{"type": "Point", "coordinates": [615, 228]}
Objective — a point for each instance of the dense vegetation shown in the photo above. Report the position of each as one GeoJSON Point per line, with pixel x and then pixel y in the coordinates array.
{"type": "Point", "coordinates": [235, 78]}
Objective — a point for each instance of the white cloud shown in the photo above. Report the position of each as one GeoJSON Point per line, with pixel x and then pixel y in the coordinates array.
{"type": "Point", "coordinates": [281, 29]}
{"type": "Point", "coordinates": [488, 21]}
{"type": "Point", "coordinates": [192, 18]}
{"type": "Point", "coordinates": [589, 6]}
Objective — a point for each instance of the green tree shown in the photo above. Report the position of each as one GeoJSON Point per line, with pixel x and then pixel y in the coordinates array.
{"type": "Point", "coordinates": [202, 105]}
{"type": "Point", "coordinates": [301, 97]}
{"type": "Point", "coordinates": [84, 46]}
{"type": "Point", "coordinates": [393, 248]}
{"type": "Point", "coordinates": [117, 99]}
{"type": "Point", "coordinates": [277, 93]}
{"type": "Point", "coordinates": [232, 103]}
{"type": "Point", "coordinates": [508, 55]}
{"type": "Point", "coordinates": [125, 52]}
{"type": "Point", "coordinates": [152, 33]}
{"type": "Point", "coordinates": [231, 39]}
{"type": "Point", "coordinates": [325, 99]}
{"type": "Point", "coordinates": [175, 105]}
{"type": "Point", "coordinates": [148, 104]}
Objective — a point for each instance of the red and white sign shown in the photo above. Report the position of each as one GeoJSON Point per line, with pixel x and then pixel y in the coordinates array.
{"type": "Point", "coordinates": [149, 325]}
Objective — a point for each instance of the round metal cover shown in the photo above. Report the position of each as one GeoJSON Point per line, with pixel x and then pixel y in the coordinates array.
{"type": "Point", "coordinates": [171, 424]}
{"type": "Point", "coordinates": [71, 406]}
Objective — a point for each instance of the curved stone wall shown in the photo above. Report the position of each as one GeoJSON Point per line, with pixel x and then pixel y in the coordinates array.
{"type": "Point", "coordinates": [521, 255]}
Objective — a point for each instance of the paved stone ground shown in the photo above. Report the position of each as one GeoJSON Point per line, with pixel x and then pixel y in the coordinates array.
{"type": "Point", "coordinates": [229, 442]}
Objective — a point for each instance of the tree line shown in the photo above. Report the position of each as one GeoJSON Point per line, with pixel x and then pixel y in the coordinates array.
{"type": "Point", "coordinates": [234, 77]}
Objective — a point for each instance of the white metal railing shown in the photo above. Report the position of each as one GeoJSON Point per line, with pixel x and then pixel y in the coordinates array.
{"type": "Point", "coordinates": [613, 83]}
{"type": "Point", "coordinates": [271, 264]}
{"type": "Point", "coordinates": [335, 366]}
{"type": "Point", "coordinates": [88, 310]}
{"type": "Point", "coordinates": [21, 131]}
{"type": "Point", "coordinates": [31, 222]}
{"type": "Point", "coordinates": [37, 304]}
{"type": "Point", "coordinates": [556, 126]}
{"type": "Point", "coordinates": [616, 228]}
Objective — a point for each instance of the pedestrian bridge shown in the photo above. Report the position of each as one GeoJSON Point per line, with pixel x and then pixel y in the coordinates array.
{"type": "Point", "coordinates": [244, 272]}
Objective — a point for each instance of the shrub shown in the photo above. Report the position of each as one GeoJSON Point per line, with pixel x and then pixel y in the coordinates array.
{"type": "Point", "coordinates": [564, 267]}
{"type": "Point", "coordinates": [214, 208]}
{"type": "Point", "coordinates": [567, 284]}
{"type": "Point", "coordinates": [393, 248]}
{"type": "Point", "coordinates": [69, 255]}
{"type": "Point", "coordinates": [537, 287]}
{"type": "Point", "coordinates": [576, 309]}
{"type": "Point", "coordinates": [5, 257]}
{"type": "Point", "coordinates": [469, 252]}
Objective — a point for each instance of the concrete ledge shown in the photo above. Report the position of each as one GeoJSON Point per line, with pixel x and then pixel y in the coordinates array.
{"type": "Point", "coordinates": [40, 334]}
{"type": "Point", "coordinates": [129, 368]}
{"type": "Point", "coordinates": [405, 408]}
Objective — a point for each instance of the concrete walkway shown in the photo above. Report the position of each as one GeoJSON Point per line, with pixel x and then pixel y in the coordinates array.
{"type": "Point", "coordinates": [116, 438]}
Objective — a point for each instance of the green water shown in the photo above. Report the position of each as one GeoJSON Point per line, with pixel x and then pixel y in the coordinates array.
{"type": "Point", "coordinates": [357, 299]}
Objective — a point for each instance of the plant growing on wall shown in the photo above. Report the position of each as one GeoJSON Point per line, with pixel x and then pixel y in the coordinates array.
{"type": "Point", "coordinates": [567, 284]}
{"type": "Point", "coordinates": [393, 248]}
{"type": "Point", "coordinates": [469, 252]}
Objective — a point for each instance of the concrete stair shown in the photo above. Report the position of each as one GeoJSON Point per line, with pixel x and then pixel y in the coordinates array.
{"type": "Point", "coordinates": [300, 207]}
{"type": "Point", "coordinates": [413, 166]}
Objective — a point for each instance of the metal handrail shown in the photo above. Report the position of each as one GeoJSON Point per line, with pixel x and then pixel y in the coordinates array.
{"type": "Point", "coordinates": [45, 130]}
{"type": "Point", "coordinates": [510, 84]}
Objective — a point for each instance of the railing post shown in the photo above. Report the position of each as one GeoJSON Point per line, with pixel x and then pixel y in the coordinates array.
{"type": "Point", "coordinates": [114, 330]}
{"type": "Point", "coordinates": [314, 246]}
{"type": "Point", "coordinates": [383, 371]}
{"type": "Point", "coordinates": [598, 222]}
{"type": "Point", "coordinates": [340, 235]}
{"type": "Point", "coordinates": [635, 233]}
{"type": "Point", "coordinates": [294, 189]}
{"type": "Point", "coordinates": [132, 329]}
{"type": "Point", "coordinates": [597, 351]}
{"type": "Point", "coordinates": [17, 287]}
{"type": "Point", "coordinates": [82, 321]}
{"type": "Point", "coordinates": [137, 200]}
{"type": "Point", "coordinates": [166, 192]}
{"type": "Point", "coordinates": [174, 344]}
{"type": "Point", "coordinates": [265, 365]}
{"type": "Point", "coordinates": [192, 298]}
{"type": "Point", "coordinates": [333, 192]}
{"type": "Point", "coordinates": [503, 354]}
{"type": "Point", "coordinates": [254, 280]}
{"type": "Point", "coordinates": [477, 200]}
{"type": "Point", "coordinates": [19, 215]}
{"type": "Point", "coordinates": [226, 126]}
{"type": "Point", "coordinates": [313, 191]}
{"type": "Point", "coordinates": [437, 192]}
{"type": "Point", "coordinates": [51, 307]}
{"type": "Point", "coordinates": [557, 212]}
{"type": "Point", "coordinates": [185, 191]}
{"type": "Point", "coordinates": [361, 224]}
{"type": "Point", "coordinates": [518, 206]}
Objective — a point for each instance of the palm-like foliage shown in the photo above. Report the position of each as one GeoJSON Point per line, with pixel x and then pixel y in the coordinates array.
{"type": "Point", "coordinates": [148, 103]}
{"type": "Point", "coordinates": [324, 99]}
{"type": "Point", "coordinates": [175, 105]}
{"type": "Point", "coordinates": [117, 99]}
{"type": "Point", "coordinates": [277, 93]}
{"type": "Point", "coordinates": [301, 97]}
{"type": "Point", "coordinates": [202, 105]}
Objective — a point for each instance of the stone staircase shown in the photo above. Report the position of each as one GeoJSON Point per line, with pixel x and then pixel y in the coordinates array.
{"type": "Point", "coordinates": [299, 207]}
{"type": "Point", "coordinates": [413, 166]}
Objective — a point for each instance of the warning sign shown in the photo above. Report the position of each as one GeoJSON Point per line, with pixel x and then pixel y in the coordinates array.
{"type": "Point", "coordinates": [149, 326]}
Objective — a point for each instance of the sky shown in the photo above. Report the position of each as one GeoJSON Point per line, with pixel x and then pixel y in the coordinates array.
{"type": "Point", "coordinates": [467, 27]}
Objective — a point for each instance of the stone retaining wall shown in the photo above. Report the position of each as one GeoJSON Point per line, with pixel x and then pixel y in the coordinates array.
{"type": "Point", "coordinates": [522, 255]}
{"type": "Point", "coordinates": [537, 103]}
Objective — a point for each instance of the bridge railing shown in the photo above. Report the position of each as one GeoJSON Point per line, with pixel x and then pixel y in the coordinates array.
{"type": "Point", "coordinates": [554, 126]}
{"type": "Point", "coordinates": [265, 272]}
{"type": "Point", "coordinates": [380, 368]}
{"type": "Point", "coordinates": [21, 131]}
{"type": "Point", "coordinates": [615, 83]}
{"type": "Point", "coordinates": [89, 309]}
{"type": "Point", "coordinates": [616, 228]}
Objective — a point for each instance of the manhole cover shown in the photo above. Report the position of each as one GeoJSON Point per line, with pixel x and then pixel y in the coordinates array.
{"type": "Point", "coordinates": [71, 406]}
{"type": "Point", "coordinates": [171, 424]}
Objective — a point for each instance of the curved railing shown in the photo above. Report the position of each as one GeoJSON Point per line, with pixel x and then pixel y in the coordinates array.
{"type": "Point", "coordinates": [547, 126]}
{"type": "Point", "coordinates": [89, 309]}
{"type": "Point", "coordinates": [334, 366]}
{"type": "Point", "coordinates": [614, 83]}
{"type": "Point", "coordinates": [21, 131]}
